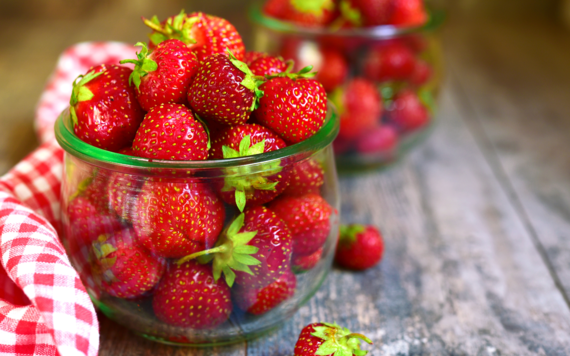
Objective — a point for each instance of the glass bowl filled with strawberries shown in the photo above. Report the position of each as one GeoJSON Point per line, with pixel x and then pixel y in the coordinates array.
{"type": "Point", "coordinates": [199, 197]}
{"type": "Point", "coordinates": [380, 62]}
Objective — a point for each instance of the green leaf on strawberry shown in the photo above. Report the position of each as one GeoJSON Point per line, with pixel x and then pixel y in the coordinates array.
{"type": "Point", "coordinates": [339, 341]}
{"type": "Point", "coordinates": [143, 65]}
{"type": "Point", "coordinates": [80, 92]}
{"type": "Point", "coordinates": [178, 27]}
{"type": "Point", "coordinates": [251, 81]}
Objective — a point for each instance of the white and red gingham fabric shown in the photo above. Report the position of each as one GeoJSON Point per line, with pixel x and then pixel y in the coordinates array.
{"type": "Point", "coordinates": [44, 308]}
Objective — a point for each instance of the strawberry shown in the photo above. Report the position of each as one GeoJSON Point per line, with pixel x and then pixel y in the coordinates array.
{"type": "Point", "coordinates": [124, 268]}
{"type": "Point", "coordinates": [408, 13]}
{"type": "Point", "coordinates": [188, 296]}
{"type": "Point", "coordinates": [233, 136]}
{"type": "Point", "coordinates": [275, 8]}
{"type": "Point", "coordinates": [407, 112]}
{"type": "Point", "coordinates": [176, 217]}
{"type": "Point", "coordinates": [305, 263]}
{"type": "Point", "coordinates": [122, 191]}
{"type": "Point", "coordinates": [382, 139]}
{"type": "Point", "coordinates": [127, 151]}
{"type": "Point", "coordinates": [366, 12]}
{"type": "Point", "coordinates": [204, 34]}
{"type": "Point", "coordinates": [267, 66]}
{"type": "Point", "coordinates": [306, 177]}
{"type": "Point", "coordinates": [328, 340]}
{"type": "Point", "coordinates": [421, 73]}
{"type": "Point", "coordinates": [260, 301]}
{"type": "Point", "coordinates": [308, 219]}
{"type": "Point", "coordinates": [170, 131]}
{"type": "Point", "coordinates": [224, 90]}
{"type": "Point", "coordinates": [393, 61]}
{"type": "Point", "coordinates": [293, 105]}
{"type": "Point", "coordinates": [359, 247]}
{"type": "Point", "coordinates": [164, 75]}
{"type": "Point", "coordinates": [257, 245]}
{"type": "Point", "coordinates": [104, 109]}
{"type": "Point", "coordinates": [309, 13]}
{"type": "Point", "coordinates": [252, 56]}
{"type": "Point", "coordinates": [333, 69]}
{"type": "Point", "coordinates": [87, 222]}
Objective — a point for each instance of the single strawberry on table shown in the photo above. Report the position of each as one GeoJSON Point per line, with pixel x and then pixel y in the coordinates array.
{"type": "Point", "coordinates": [104, 109]}
{"type": "Point", "coordinates": [293, 105]}
{"type": "Point", "coordinates": [171, 132]}
{"type": "Point", "coordinates": [189, 296]}
{"type": "Point", "coordinates": [359, 246]}
{"type": "Point", "coordinates": [329, 339]}
{"type": "Point", "coordinates": [253, 252]}
{"type": "Point", "coordinates": [163, 75]}
{"type": "Point", "coordinates": [123, 268]}
{"type": "Point", "coordinates": [224, 90]}
{"type": "Point", "coordinates": [260, 301]}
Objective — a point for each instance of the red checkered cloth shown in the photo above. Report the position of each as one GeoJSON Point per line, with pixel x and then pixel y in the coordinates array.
{"type": "Point", "coordinates": [44, 308]}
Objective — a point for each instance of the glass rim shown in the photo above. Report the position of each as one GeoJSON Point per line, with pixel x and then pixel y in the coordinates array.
{"type": "Point", "coordinates": [435, 19]}
{"type": "Point", "coordinates": [73, 145]}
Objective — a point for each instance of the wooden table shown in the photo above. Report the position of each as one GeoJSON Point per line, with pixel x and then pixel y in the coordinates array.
{"type": "Point", "coordinates": [476, 220]}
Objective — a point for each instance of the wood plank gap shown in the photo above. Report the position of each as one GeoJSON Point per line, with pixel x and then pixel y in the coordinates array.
{"type": "Point", "coordinates": [487, 148]}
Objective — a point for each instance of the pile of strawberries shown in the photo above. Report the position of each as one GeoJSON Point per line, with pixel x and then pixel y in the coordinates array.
{"type": "Point", "coordinates": [198, 247]}
{"type": "Point", "coordinates": [382, 87]}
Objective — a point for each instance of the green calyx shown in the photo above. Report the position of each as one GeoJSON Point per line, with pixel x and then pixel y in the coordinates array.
{"type": "Point", "coordinates": [80, 92]}
{"type": "Point", "coordinates": [231, 252]}
{"type": "Point", "coordinates": [339, 341]}
{"type": "Point", "coordinates": [241, 179]}
{"type": "Point", "coordinates": [303, 73]}
{"type": "Point", "coordinates": [143, 65]}
{"type": "Point", "coordinates": [348, 233]}
{"type": "Point", "coordinates": [350, 14]}
{"type": "Point", "coordinates": [102, 250]}
{"type": "Point", "coordinates": [388, 91]}
{"type": "Point", "coordinates": [315, 7]}
{"type": "Point", "coordinates": [179, 27]}
{"type": "Point", "coordinates": [251, 81]}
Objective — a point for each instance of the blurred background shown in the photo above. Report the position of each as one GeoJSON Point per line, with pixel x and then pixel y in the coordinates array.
{"type": "Point", "coordinates": [35, 32]}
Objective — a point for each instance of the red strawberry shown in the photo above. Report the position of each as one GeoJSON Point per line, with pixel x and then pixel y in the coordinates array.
{"type": "Point", "coordinates": [125, 269]}
{"type": "Point", "coordinates": [176, 217]}
{"type": "Point", "coordinates": [204, 34]}
{"type": "Point", "coordinates": [293, 106]}
{"type": "Point", "coordinates": [328, 340]}
{"type": "Point", "coordinates": [359, 247]}
{"type": "Point", "coordinates": [87, 222]}
{"type": "Point", "coordinates": [128, 151]}
{"type": "Point", "coordinates": [164, 75]}
{"type": "Point", "coordinates": [333, 69]}
{"type": "Point", "coordinates": [188, 296]}
{"type": "Point", "coordinates": [314, 13]}
{"type": "Point", "coordinates": [122, 191]}
{"type": "Point", "coordinates": [407, 112]}
{"type": "Point", "coordinates": [224, 90]}
{"type": "Point", "coordinates": [308, 219]}
{"type": "Point", "coordinates": [275, 8]}
{"type": "Point", "coordinates": [257, 245]}
{"type": "Point", "coordinates": [104, 108]}
{"type": "Point", "coordinates": [170, 131]}
{"type": "Point", "coordinates": [383, 139]}
{"type": "Point", "coordinates": [360, 106]}
{"type": "Point", "coordinates": [421, 73]}
{"type": "Point", "coordinates": [366, 12]}
{"type": "Point", "coordinates": [233, 136]}
{"type": "Point", "coordinates": [305, 263]}
{"type": "Point", "coordinates": [267, 66]}
{"type": "Point", "coordinates": [260, 301]}
{"type": "Point", "coordinates": [393, 61]}
{"type": "Point", "coordinates": [252, 56]}
{"type": "Point", "coordinates": [408, 13]}
{"type": "Point", "coordinates": [306, 177]}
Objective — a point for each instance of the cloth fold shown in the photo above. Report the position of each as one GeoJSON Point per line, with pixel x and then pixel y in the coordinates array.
{"type": "Point", "coordinates": [44, 308]}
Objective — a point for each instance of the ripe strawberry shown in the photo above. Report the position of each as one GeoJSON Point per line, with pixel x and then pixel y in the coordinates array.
{"type": "Point", "coordinates": [359, 247]}
{"type": "Point", "coordinates": [408, 13]}
{"type": "Point", "coordinates": [122, 191]}
{"type": "Point", "coordinates": [393, 61]}
{"type": "Point", "coordinates": [381, 140]}
{"type": "Point", "coordinates": [124, 268]}
{"type": "Point", "coordinates": [187, 296]}
{"type": "Point", "coordinates": [407, 112]}
{"type": "Point", "coordinates": [293, 106]}
{"type": "Point", "coordinates": [308, 219]}
{"type": "Point", "coordinates": [306, 177]}
{"type": "Point", "coordinates": [233, 136]}
{"type": "Point", "coordinates": [366, 12]}
{"type": "Point", "coordinates": [104, 108]}
{"type": "Point", "coordinates": [313, 13]}
{"type": "Point", "coordinates": [87, 222]}
{"type": "Point", "coordinates": [170, 131]}
{"type": "Point", "coordinates": [333, 69]}
{"type": "Point", "coordinates": [260, 301]}
{"type": "Point", "coordinates": [224, 90]}
{"type": "Point", "coordinates": [267, 66]}
{"type": "Point", "coordinates": [164, 75]}
{"type": "Point", "coordinates": [421, 73]}
{"type": "Point", "coordinates": [204, 34]}
{"type": "Point", "coordinates": [305, 263]}
{"type": "Point", "coordinates": [275, 8]}
{"type": "Point", "coordinates": [252, 56]}
{"type": "Point", "coordinates": [176, 217]}
{"type": "Point", "coordinates": [257, 245]}
{"type": "Point", "coordinates": [128, 151]}
{"type": "Point", "coordinates": [329, 339]}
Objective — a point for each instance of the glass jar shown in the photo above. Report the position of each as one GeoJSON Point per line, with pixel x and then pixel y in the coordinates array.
{"type": "Point", "coordinates": [384, 81]}
{"type": "Point", "coordinates": [147, 237]}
